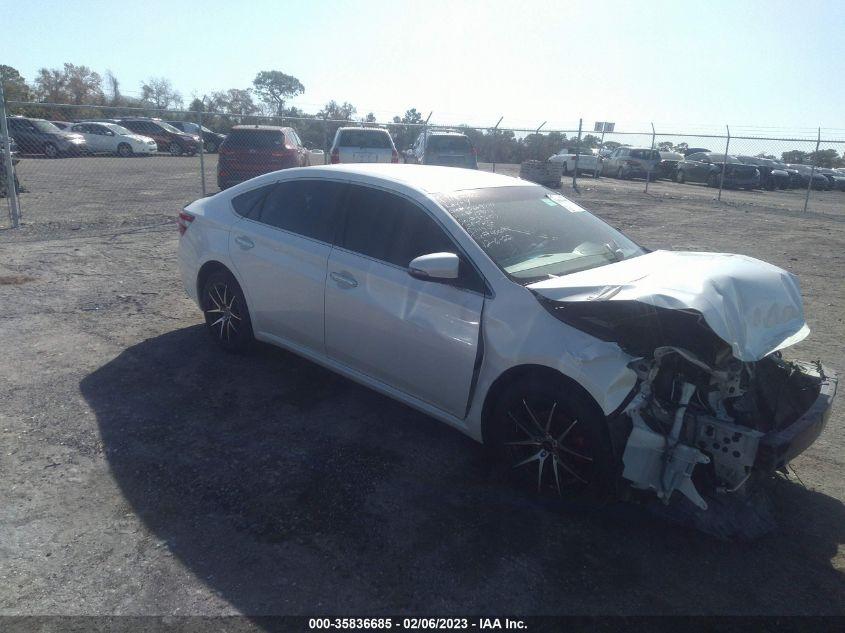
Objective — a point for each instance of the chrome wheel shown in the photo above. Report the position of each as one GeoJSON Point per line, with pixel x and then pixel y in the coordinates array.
{"type": "Point", "coordinates": [223, 313]}
{"type": "Point", "coordinates": [547, 440]}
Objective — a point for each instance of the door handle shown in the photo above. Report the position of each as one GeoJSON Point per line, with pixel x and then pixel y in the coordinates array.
{"type": "Point", "coordinates": [244, 242]}
{"type": "Point", "coordinates": [344, 280]}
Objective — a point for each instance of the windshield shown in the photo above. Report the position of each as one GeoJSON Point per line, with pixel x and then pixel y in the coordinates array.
{"type": "Point", "coordinates": [721, 158]}
{"type": "Point", "coordinates": [117, 129]}
{"type": "Point", "coordinates": [169, 127]}
{"type": "Point", "coordinates": [373, 139]}
{"type": "Point", "coordinates": [532, 233]}
{"type": "Point", "coordinates": [45, 126]}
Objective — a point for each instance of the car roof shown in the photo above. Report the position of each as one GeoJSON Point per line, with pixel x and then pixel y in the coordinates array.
{"type": "Point", "coordinates": [366, 129]}
{"type": "Point", "coordinates": [426, 178]}
{"type": "Point", "coordinates": [273, 128]}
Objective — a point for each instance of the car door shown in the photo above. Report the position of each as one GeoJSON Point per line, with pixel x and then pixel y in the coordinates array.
{"type": "Point", "coordinates": [280, 248]}
{"type": "Point", "coordinates": [420, 337]}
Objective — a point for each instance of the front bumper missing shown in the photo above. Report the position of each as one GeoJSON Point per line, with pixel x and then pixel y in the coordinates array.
{"type": "Point", "coordinates": [778, 448]}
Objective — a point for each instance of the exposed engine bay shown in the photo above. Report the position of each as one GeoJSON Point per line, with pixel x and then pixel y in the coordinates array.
{"type": "Point", "coordinates": [699, 425]}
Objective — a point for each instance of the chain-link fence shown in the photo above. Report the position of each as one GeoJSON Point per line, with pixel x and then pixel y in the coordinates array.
{"type": "Point", "coordinates": [142, 160]}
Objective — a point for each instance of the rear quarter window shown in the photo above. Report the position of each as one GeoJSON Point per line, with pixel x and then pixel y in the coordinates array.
{"type": "Point", "coordinates": [248, 204]}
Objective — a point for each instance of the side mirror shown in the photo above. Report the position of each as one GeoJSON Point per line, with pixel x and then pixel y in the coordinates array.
{"type": "Point", "coordinates": [435, 266]}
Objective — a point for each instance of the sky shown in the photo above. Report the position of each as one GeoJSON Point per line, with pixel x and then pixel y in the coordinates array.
{"type": "Point", "coordinates": [769, 65]}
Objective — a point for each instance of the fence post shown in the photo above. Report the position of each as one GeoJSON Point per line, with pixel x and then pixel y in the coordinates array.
{"type": "Point", "coordinates": [724, 162]}
{"type": "Point", "coordinates": [539, 144]}
{"type": "Point", "coordinates": [495, 130]}
{"type": "Point", "coordinates": [202, 153]}
{"type": "Point", "coordinates": [9, 169]}
{"type": "Point", "coordinates": [577, 151]}
{"type": "Point", "coordinates": [598, 156]}
{"type": "Point", "coordinates": [812, 170]}
{"type": "Point", "coordinates": [648, 172]}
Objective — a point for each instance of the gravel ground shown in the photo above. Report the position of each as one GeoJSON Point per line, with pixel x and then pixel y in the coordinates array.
{"type": "Point", "coordinates": [144, 472]}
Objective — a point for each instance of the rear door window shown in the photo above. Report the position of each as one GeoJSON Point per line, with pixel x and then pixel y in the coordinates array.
{"type": "Point", "coordinates": [305, 207]}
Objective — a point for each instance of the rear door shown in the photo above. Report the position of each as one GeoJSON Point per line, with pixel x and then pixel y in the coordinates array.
{"type": "Point", "coordinates": [280, 250]}
{"type": "Point", "coordinates": [420, 337]}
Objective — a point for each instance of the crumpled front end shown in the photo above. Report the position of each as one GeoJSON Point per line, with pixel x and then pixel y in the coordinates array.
{"type": "Point", "coordinates": [715, 403]}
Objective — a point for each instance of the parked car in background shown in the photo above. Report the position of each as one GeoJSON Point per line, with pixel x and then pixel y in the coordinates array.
{"type": "Point", "coordinates": [771, 175]}
{"type": "Point", "coordinates": [794, 176]}
{"type": "Point", "coordinates": [211, 140]}
{"type": "Point", "coordinates": [167, 137]}
{"type": "Point", "coordinates": [668, 165]}
{"type": "Point", "coordinates": [632, 162]}
{"type": "Point", "coordinates": [696, 150]}
{"type": "Point", "coordinates": [706, 167]}
{"type": "Point", "coordinates": [37, 136]}
{"type": "Point", "coordinates": [252, 150]}
{"type": "Point", "coordinates": [439, 147]}
{"type": "Point", "coordinates": [806, 172]}
{"type": "Point", "coordinates": [836, 179]}
{"type": "Point", "coordinates": [111, 138]}
{"type": "Point", "coordinates": [482, 301]}
{"type": "Point", "coordinates": [62, 125]}
{"type": "Point", "coordinates": [588, 161]}
{"type": "Point", "coordinates": [363, 145]}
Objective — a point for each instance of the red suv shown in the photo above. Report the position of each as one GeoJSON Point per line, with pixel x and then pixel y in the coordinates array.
{"type": "Point", "coordinates": [167, 137]}
{"type": "Point", "coordinates": [252, 150]}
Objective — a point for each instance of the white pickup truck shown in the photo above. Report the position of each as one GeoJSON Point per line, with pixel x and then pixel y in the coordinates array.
{"type": "Point", "coordinates": [588, 161]}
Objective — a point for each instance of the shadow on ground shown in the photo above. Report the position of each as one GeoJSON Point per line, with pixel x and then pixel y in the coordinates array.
{"type": "Point", "coordinates": [291, 490]}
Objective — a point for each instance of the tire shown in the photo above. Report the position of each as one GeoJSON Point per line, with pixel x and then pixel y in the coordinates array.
{"type": "Point", "coordinates": [51, 151]}
{"type": "Point", "coordinates": [175, 149]}
{"type": "Point", "coordinates": [680, 178]}
{"type": "Point", "coordinates": [712, 181]}
{"type": "Point", "coordinates": [124, 150]}
{"type": "Point", "coordinates": [210, 147]}
{"type": "Point", "coordinates": [226, 313]}
{"type": "Point", "coordinates": [551, 439]}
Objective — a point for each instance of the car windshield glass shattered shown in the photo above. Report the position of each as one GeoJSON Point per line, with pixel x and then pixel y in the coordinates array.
{"type": "Point", "coordinates": [372, 139]}
{"type": "Point", "coordinates": [532, 233]}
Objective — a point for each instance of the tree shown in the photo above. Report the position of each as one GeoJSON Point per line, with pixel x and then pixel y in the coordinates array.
{"type": "Point", "coordinates": [197, 105]}
{"type": "Point", "coordinates": [274, 87]}
{"type": "Point", "coordinates": [234, 101]}
{"type": "Point", "coordinates": [370, 118]}
{"type": "Point", "coordinates": [83, 85]}
{"type": "Point", "coordinates": [665, 146]}
{"type": "Point", "coordinates": [825, 158]}
{"type": "Point", "coordinates": [50, 85]}
{"type": "Point", "coordinates": [611, 145]}
{"type": "Point", "coordinates": [158, 92]}
{"type": "Point", "coordinates": [113, 88]}
{"type": "Point", "coordinates": [795, 156]}
{"type": "Point", "coordinates": [14, 85]}
{"type": "Point", "coordinates": [681, 147]}
{"type": "Point", "coordinates": [337, 112]}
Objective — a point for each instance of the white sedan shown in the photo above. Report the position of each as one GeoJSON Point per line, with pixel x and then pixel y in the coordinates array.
{"type": "Point", "coordinates": [111, 138]}
{"type": "Point", "coordinates": [509, 312]}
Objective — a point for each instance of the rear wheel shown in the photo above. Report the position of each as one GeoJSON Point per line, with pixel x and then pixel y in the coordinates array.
{"type": "Point", "coordinates": [551, 438]}
{"type": "Point", "coordinates": [226, 313]}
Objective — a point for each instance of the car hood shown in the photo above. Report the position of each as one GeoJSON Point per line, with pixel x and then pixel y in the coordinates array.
{"type": "Point", "coordinates": [754, 307]}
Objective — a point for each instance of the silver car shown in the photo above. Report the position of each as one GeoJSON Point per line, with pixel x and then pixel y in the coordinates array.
{"type": "Point", "coordinates": [363, 145]}
{"type": "Point", "coordinates": [632, 162]}
{"type": "Point", "coordinates": [512, 314]}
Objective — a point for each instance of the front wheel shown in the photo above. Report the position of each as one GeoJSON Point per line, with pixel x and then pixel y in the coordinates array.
{"type": "Point", "coordinates": [226, 312]}
{"type": "Point", "coordinates": [50, 150]}
{"type": "Point", "coordinates": [175, 149]}
{"type": "Point", "coordinates": [124, 150]}
{"type": "Point", "coordinates": [551, 438]}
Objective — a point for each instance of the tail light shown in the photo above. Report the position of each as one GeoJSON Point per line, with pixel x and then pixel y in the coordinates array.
{"type": "Point", "coordinates": [335, 156]}
{"type": "Point", "coordinates": [394, 156]}
{"type": "Point", "coordinates": [184, 221]}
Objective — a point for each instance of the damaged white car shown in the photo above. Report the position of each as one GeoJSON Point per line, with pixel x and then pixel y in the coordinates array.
{"type": "Point", "coordinates": [509, 312]}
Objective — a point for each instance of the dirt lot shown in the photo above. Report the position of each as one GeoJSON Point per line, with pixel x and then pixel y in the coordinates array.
{"type": "Point", "coordinates": [144, 472]}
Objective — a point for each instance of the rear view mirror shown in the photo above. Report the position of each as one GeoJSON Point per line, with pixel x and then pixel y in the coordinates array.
{"type": "Point", "coordinates": [435, 266]}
